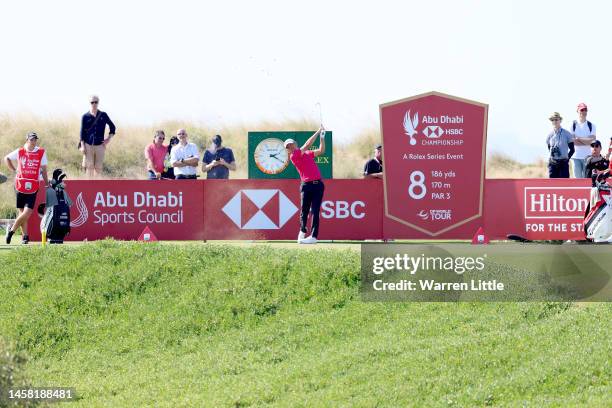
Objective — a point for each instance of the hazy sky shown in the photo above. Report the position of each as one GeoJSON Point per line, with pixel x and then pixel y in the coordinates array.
{"type": "Point", "coordinates": [228, 61]}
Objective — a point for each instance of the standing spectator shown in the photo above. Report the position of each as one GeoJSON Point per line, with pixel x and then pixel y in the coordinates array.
{"type": "Point", "coordinates": [184, 157]}
{"type": "Point", "coordinates": [93, 143]}
{"type": "Point", "coordinates": [595, 162]}
{"type": "Point", "coordinates": [31, 167]}
{"type": "Point", "coordinates": [584, 134]}
{"type": "Point", "coordinates": [218, 160]}
{"type": "Point", "coordinates": [312, 187]}
{"type": "Point", "coordinates": [170, 170]}
{"type": "Point", "coordinates": [373, 168]}
{"type": "Point", "coordinates": [560, 144]}
{"type": "Point", "coordinates": [156, 155]}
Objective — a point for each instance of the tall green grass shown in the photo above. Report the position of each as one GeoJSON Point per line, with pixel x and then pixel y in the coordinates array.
{"type": "Point", "coordinates": [132, 324]}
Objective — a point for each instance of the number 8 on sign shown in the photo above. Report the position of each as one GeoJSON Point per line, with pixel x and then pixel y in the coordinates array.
{"type": "Point", "coordinates": [417, 180]}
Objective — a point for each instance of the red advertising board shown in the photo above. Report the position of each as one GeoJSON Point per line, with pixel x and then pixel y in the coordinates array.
{"type": "Point", "coordinates": [270, 209]}
{"type": "Point", "coordinates": [434, 152]}
{"type": "Point", "coordinates": [123, 208]}
{"type": "Point", "coordinates": [538, 209]}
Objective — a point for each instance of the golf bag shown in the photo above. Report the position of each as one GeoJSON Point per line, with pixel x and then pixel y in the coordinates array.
{"type": "Point", "coordinates": [598, 217]}
{"type": "Point", "coordinates": [56, 219]}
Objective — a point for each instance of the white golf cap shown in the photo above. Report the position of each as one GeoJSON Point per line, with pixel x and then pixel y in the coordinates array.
{"type": "Point", "coordinates": [289, 141]}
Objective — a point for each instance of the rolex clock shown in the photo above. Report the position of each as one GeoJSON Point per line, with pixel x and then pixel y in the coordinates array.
{"type": "Point", "coordinates": [271, 157]}
{"type": "Point", "coordinates": [268, 158]}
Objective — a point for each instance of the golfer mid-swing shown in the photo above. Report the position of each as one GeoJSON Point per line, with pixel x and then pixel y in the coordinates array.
{"type": "Point", "coordinates": [311, 188]}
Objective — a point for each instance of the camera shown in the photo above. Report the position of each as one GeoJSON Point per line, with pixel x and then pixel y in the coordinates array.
{"type": "Point", "coordinates": [555, 152]}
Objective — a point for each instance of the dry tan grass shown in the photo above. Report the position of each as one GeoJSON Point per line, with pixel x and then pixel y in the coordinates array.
{"type": "Point", "coordinates": [125, 154]}
{"type": "Point", "coordinates": [503, 166]}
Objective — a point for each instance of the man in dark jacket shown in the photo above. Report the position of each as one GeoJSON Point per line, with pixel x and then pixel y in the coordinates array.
{"type": "Point", "coordinates": [93, 143]}
{"type": "Point", "coordinates": [373, 168]}
{"type": "Point", "coordinates": [595, 162]}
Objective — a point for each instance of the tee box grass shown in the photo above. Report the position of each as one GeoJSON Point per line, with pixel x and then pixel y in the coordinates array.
{"type": "Point", "coordinates": [166, 325]}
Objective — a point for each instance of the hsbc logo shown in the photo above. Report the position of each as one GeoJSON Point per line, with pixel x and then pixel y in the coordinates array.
{"type": "Point", "coordinates": [433, 132]}
{"type": "Point", "coordinates": [263, 209]}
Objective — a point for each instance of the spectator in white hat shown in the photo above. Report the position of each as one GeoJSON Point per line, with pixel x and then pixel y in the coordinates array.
{"type": "Point", "coordinates": [560, 144]}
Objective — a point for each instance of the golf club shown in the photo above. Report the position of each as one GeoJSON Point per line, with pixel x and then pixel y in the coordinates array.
{"type": "Point", "coordinates": [321, 118]}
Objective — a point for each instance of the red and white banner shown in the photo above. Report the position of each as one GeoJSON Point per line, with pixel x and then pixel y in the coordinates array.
{"type": "Point", "coordinates": [434, 155]}
{"type": "Point", "coordinates": [173, 210]}
{"type": "Point", "coordinates": [538, 209]}
{"type": "Point", "coordinates": [270, 209]}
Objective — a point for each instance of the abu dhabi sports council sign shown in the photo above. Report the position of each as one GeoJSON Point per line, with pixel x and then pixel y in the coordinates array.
{"type": "Point", "coordinates": [434, 150]}
{"type": "Point", "coordinates": [123, 208]}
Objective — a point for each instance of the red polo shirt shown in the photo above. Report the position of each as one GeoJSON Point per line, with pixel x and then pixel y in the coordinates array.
{"type": "Point", "coordinates": [305, 165]}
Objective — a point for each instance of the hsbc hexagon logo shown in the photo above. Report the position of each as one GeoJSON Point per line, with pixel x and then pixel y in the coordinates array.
{"type": "Point", "coordinates": [259, 209]}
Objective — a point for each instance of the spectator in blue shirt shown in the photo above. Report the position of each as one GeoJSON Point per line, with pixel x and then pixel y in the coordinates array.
{"type": "Point", "coordinates": [560, 144]}
{"type": "Point", "coordinates": [93, 143]}
{"type": "Point", "coordinates": [218, 160]}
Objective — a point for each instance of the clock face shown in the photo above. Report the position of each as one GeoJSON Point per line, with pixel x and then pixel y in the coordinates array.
{"type": "Point", "coordinates": [271, 156]}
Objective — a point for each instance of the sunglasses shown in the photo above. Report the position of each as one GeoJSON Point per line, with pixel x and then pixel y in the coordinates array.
{"type": "Point", "coordinates": [93, 102]}
{"type": "Point", "coordinates": [583, 110]}
{"type": "Point", "coordinates": [555, 120]}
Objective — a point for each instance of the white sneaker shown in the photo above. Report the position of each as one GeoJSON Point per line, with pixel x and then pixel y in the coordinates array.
{"type": "Point", "coordinates": [301, 237]}
{"type": "Point", "coordinates": [309, 240]}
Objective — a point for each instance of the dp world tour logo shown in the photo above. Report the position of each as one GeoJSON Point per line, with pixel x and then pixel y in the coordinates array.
{"type": "Point", "coordinates": [259, 209]}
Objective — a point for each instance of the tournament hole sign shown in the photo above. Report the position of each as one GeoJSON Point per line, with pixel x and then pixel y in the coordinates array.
{"type": "Point", "coordinates": [434, 148]}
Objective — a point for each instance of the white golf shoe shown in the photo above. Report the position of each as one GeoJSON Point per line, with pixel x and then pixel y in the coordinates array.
{"type": "Point", "coordinates": [309, 240]}
{"type": "Point", "coordinates": [301, 237]}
